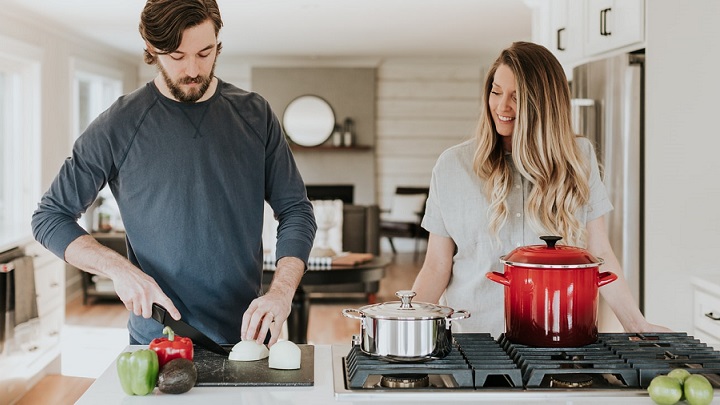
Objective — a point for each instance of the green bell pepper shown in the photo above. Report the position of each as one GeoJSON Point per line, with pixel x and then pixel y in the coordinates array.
{"type": "Point", "coordinates": [138, 371]}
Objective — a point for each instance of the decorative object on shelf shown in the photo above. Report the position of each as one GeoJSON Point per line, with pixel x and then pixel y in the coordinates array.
{"type": "Point", "coordinates": [348, 131]}
{"type": "Point", "coordinates": [337, 136]}
{"type": "Point", "coordinates": [309, 120]}
{"type": "Point", "coordinates": [104, 217]}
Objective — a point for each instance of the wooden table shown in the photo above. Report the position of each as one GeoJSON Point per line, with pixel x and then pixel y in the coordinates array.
{"type": "Point", "coordinates": [297, 322]}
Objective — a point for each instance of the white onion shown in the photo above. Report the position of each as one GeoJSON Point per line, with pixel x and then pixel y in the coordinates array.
{"type": "Point", "coordinates": [248, 350]}
{"type": "Point", "coordinates": [284, 355]}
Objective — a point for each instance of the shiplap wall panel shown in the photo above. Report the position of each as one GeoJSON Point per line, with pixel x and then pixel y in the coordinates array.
{"type": "Point", "coordinates": [423, 108]}
{"type": "Point", "coordinates": [412, 127]}
{"type": "Point", "coordinates": [427, 108]}
{"type": "Point", "coordinates": [430, 71]}
{"type": "Point", "coordinates": [464, 89]}
{"type": "Point", "coordinates": [399, 147]}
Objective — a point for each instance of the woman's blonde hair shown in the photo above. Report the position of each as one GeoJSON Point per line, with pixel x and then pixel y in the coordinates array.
{"type": "Point", "coordinates": [543, 147]}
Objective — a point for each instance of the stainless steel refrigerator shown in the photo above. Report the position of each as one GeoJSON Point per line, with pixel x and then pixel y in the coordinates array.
{"type": "Point", "coordinates": [608, 108]}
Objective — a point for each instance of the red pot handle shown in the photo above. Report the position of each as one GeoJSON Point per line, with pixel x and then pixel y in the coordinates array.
{"type": "Point", "coordinates": [606, 277]}
{"type": "Point", "coordinates": [498, 278]}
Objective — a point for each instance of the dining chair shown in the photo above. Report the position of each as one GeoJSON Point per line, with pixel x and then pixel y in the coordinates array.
{"type": "Point", "coordinates": [403, 218]}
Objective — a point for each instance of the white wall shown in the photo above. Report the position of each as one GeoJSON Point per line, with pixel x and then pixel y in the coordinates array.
{"type": "Point", "coordinates": [682, 220]}
{"type": "Point", "coordinates": [423, 108]}
{"type": "Point", "coordinates": [59, 50]}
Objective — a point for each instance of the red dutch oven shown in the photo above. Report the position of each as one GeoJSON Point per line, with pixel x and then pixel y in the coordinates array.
{"type": "Point", "coordinates": [551, 294]}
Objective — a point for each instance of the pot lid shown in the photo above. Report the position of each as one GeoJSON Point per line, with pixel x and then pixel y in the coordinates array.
{"type": "Point", "coordinates": [405, 309]}
{"type": "Point", "coordinates": [551, 256]}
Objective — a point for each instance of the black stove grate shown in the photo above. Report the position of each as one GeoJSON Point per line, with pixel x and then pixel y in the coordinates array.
{"type": "Point", "coordinates": [615, 361]}
{"type": "Point", "coordinates": [490, 363]}
{"type": "Point", "coordinates": [360, 366]}
{"type": "Point", "coordinates": [658, 353]}
{"type": "Point", "coordinates": [541, 365]}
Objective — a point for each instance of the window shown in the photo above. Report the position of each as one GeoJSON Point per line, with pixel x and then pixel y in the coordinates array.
{"type": "Point", "coordinates": [95, 89]}
{"type": "Point", "coordinates": [19, 139]}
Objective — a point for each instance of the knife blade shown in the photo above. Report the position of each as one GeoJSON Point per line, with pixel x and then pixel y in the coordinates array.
{"type": "Point", "coordinates": [159, 313]}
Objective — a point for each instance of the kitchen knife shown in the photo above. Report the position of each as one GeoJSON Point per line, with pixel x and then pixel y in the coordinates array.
{"type": "Point", "coordinates": [159, 313]}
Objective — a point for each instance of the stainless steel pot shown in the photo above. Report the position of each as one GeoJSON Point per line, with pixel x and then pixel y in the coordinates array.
{"type": "Point", "coordinates": [403, 331]}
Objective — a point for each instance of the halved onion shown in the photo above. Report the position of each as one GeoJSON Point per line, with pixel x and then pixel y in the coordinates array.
{"type": "Point", "coordinates": [248, 350]}
{"type": "Point", "coordinates": [284, 355]}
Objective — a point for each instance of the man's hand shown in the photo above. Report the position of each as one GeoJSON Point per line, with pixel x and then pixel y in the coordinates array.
{"type": "Point", "coordinates": [269, 312]}
{"type": "Point", "coordinates": [137, 290]}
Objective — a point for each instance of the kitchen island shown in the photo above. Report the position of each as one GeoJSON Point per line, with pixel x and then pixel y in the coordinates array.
{"type": "Point", "coordinates": [106, 390]}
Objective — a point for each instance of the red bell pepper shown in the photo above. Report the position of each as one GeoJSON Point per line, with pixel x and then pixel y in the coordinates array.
{"type": "Point", "coordinates": [172, 347]}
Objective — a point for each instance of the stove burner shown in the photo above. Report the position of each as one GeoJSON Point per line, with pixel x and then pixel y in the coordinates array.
{"type": "Point", "coordinates": [364, 371]}
{"type": "Point", "coordinates": [405, 381]}
{"type": "Point", "coordinates": [571, 380]}
{"type": "Point", "coordinates": [477, 361]}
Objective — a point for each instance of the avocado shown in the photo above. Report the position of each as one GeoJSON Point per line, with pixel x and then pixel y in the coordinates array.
{"type": "Point", "coordinates": [177, 376]}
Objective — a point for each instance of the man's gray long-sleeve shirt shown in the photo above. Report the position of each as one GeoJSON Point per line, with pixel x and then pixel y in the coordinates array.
{"type": "Point", "coordinates": [190, 181]}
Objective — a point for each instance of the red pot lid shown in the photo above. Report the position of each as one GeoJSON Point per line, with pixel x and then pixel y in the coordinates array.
{"type": "Point", "coordinates": [551, 256]}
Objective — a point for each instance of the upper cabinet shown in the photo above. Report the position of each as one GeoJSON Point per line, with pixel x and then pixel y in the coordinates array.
{"type": "Point", "coordinates": [577, 30]}
{"type": "Point", "coordinates": [613, 24]}
{"type": "Point", "coordinates": [565, 30]}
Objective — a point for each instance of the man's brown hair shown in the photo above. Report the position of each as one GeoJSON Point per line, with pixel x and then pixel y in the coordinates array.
{"type": "Point", "coordinates": [163, 22]}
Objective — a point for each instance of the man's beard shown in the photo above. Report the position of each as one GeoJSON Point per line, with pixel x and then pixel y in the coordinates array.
{"type": "Point", "coordinates": [192, 95]}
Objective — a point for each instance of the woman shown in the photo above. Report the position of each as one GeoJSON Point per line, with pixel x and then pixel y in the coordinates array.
{"type": "Point", "coordinates": [525, 174]}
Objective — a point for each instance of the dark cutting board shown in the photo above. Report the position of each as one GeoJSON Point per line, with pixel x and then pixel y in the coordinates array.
{"type": "Point", "coordinates": [216, 370]}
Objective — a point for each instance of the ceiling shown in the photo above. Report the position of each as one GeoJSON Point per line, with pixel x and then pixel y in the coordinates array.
{"type": "Point", "coordinates": [315, 28]}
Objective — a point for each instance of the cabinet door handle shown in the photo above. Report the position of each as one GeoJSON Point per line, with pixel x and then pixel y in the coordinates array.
{"type": "Point", "coordinates": [559, 40]}
{"type": "Point", "coordinates": [603, 22]}
{"type": "Point", "coordinates": [713, 316]}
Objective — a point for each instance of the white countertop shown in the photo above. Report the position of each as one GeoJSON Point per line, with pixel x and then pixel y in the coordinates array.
{"type": "Point", "coordinates": [106, 390]}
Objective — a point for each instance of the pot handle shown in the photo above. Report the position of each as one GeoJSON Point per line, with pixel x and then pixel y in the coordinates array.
{"type": "Point", "coordinates": [349, 313]}
{"type": "Point", "coordinates": [606, 277]}
{"type": "Point", "coordinates": [498, 278]}
{"type": "Point", "coordinates": [462, 315]}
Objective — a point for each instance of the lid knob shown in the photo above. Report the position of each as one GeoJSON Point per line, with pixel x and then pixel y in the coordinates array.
{"type": "Point", "coordinates": [551, 240]}
{"type": "Point", "coordinates": [405, 297]}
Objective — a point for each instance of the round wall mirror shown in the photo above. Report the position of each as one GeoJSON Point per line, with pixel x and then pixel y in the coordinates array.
{"type": "Point", "coordinates": [309, 120]}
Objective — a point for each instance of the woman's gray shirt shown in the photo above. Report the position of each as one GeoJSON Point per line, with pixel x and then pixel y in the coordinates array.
{"type": "Point", "coordinates": [190, 181]}
{"type": "Point", "coordinates": [457, 208]}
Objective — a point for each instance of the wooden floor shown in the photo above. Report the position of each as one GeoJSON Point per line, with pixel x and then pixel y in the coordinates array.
{"type": "Point", "coordinates": [327, 325]}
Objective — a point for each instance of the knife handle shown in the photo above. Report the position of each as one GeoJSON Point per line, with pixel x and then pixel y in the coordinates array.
{"type": "Point", "coordinates": [158, 313]}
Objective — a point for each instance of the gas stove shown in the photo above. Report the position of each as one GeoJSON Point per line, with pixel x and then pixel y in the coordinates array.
{"type": "Point", "coordinates": [616, 364]}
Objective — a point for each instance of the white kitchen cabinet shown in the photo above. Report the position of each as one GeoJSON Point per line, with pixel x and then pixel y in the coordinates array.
{"type": "Point", "coordinates": [578, 30]}
{"type": "Point", "coordinates": [706, 309]}
{"type": "Point", "coordinates": [33, 350]}
{"type": "Point", "coordinates": [566, 30]}
{"type": "Point", "coordinates": [613, 24]}
{"type": "Point", "coordinates": [557, 25]}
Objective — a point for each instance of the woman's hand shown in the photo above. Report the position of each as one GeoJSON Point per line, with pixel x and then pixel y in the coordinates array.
{"type": "Point", "coordinates": [650, 328]}
{"type": "Point", "coordinates": [435, 273]}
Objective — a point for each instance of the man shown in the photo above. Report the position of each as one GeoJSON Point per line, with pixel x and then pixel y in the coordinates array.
{"type": "Point", "coordinates": [190, 160]}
